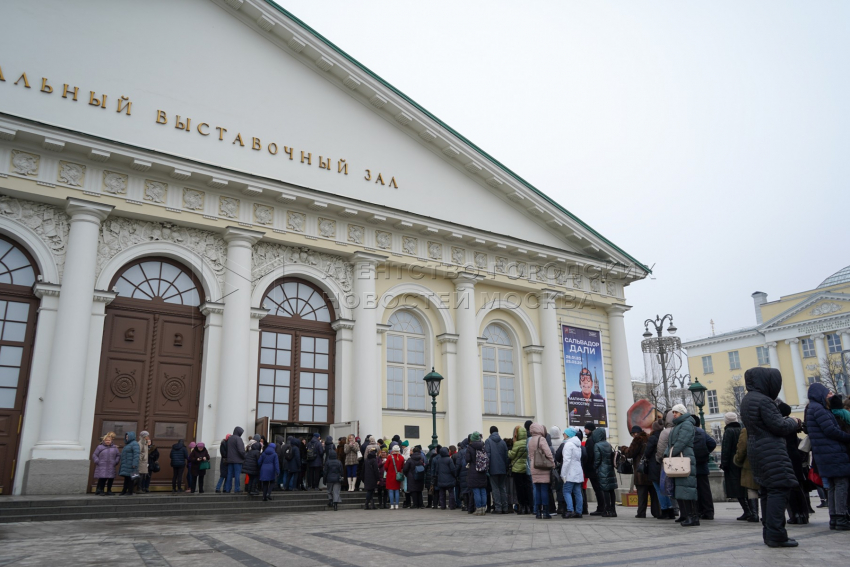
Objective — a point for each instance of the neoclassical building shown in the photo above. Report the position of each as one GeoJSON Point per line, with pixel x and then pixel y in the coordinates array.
{"type": "Point", "coordinates": [802, 335]}
{"type": "Point", "coordinates": [244, 226]}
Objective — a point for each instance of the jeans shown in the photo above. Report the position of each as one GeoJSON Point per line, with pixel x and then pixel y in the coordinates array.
{"type": "Point", "coordinates": [480, 496]}
{"type": "Point", "coordinates": [220, 482]}
{"type": "Point", "coordinates": [663, 499]}
{"type": "Point", "coordinates": [447, 494]}
{"type": "Point", "coordinates": [837, 495]}
{"type": "Point", "coordinates": [289, 480]}
{"type": "Point", "coordinates": [234, 473]}
{"type": "Point", "coordinates": [774, 502]}
{"type": "Point", "coordinates": [500, 493]}
{"type": "Point", "coordinates": [393, 497]}
{"type": "Point", "coordinates": [351, 471]}
{"type": "Point", "coordinates": [541, 494]}
{"type": "Point", "coordinates": [572, 490]}
{"type": "Point", "coordinates": [145, 482]}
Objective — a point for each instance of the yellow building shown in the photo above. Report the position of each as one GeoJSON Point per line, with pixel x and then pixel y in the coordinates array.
{"type": "Point", "coordinates": [802, 335]}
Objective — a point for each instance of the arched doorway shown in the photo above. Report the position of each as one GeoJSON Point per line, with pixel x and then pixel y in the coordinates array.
{"type": "Point", "coordinates": [151, 357]}
{"type": "Point", "coordinates": [296, 358]}
{"type": "Point", "coordinates": [18, 307]}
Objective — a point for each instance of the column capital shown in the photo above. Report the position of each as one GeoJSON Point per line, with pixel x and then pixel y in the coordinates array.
{"type": "Point", "coordinates": [361, 257]}
{"type": "Point", "coordinates": [481, 340]}
{"type": "Point", "coordinates": [532, 349]}
{"type": "Point", "coordinates": [819, 337]}
{"type": "Point", "coordinates": [258, 312]}
{"type": "Point", "coordinates": [793, 341]}
{"type": "Point", "coordinates": [79, 209]}
{"type": "Point", "coordinates": [618, 309]}
{"type": "Point", "coordinates": [447, 338]}
{"type": "Point", "coordinates": [844, 332]}
{"type": "Point", "coordinates": [382, 328]}
{"type": "Point", "coordinates": [209, 308]}
{"type": "Point", "coordinates": [104, 296]}
{"type": "Point", "coordinates": [465, 280]}
{"type": "Point", "coordinates": [45, 289]}
{"type": "Point", "coordinates": [347, 324]}
{"type": "Point", "coordinates": [237, 234]}
{"type": "Point", "coordinates": [771, 344]}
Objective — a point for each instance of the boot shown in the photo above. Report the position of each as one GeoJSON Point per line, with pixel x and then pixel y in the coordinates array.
{"type": "Point", "coordinates": [683, 515]}
{"type": "Point", "coordinates": [335, 504]}
{"type": "Point", "coordinates": [747, 513]}
{"type": "Point", "coordinates": [832, 521]}
{"type": "Point", "coordinates": [842, 524]}
{"type": "Point", "coordinates": [546, 515]}
{"type": "Point", "coordinates": [98, 493]}
{"type": "Point", "coordinates": [692, 516]}
{"type": "Point", "coordinates": [538, 513]}
{"type": "Point", "coordinates": [754, 510]}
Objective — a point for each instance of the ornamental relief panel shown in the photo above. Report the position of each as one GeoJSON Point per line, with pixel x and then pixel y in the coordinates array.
{"type": "Point", "coordinates": [25, 163]}
{"type": "Point", "coordinates": [268, 257]}
{"type": "Point", "coordinates": [48, 222]}
{"type": "Point", "coordinates": [72, 174]}
{"type": "Point", "coordinates": [115, 183]}
{"type": "Point", "coordinates": [155, 191]}
{"type": "Point", "coordinates": [825, 309]}
{"type": "Point", "coordinates": [117, 234]}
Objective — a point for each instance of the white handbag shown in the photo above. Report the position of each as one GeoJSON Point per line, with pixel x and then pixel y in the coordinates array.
{"type": "Point", "coordinates": [677, 467]}
{"type": "Point", "coordinates": [805, 445]}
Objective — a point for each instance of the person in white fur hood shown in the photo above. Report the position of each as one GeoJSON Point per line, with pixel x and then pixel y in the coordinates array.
{"type": "Point", "coordinates": [572, 475]}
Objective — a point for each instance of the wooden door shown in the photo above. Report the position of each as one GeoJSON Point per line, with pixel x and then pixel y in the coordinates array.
{"type": "Point", "coordinates": [150, 373]}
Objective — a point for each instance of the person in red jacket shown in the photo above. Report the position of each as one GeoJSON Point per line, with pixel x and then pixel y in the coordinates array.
{"type": "Point", "coordinates": [394, 465]}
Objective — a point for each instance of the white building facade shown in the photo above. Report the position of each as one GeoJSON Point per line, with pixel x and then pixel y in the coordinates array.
{"type": "Point", "coordinates": [242, 226]}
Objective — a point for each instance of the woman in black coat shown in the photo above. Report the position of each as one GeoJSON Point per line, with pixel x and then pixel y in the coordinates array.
{"type": "Point", "coordinates": [732, 473]}
{"type": "Point", "coordinates": [415, 480]}
{"type": "Point", "coordinates": [798, 502]}
{"type": "Point", "coordinates": [446, 475]}
{"type": "Point", "coordinates": [371, 477]}
{"type": "Point", "coordinates": [654, 471]}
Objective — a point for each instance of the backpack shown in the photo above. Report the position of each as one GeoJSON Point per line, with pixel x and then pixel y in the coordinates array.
{"type": "Point", "coordinates": [311, 451]}
{"type": "Point", "coordinates": [482, 461]}
{"type": "Point", "coordinates": [622, 464]}
{"type": "Point", "coordinates": [288, 453]}
{"type": "Point", "coordinates": [419, 473]}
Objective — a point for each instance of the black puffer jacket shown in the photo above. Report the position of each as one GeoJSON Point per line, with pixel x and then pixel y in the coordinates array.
{"type": "Point", "coordinates": [415, 460]}
{"type": "Point", "coordinates": [704, 445]}
{"type": "Point", "coordinates": [252, 456]}
{"type": "Point", "coordinates": [829, 443]}
{"type": "Point", "coordinates": [654, 466]}
{"type": "Point", "coordinates": [766, 429]}
{"type": "Point", "coordinates": [731, 473]}
{"type": "Point", "coordinates": [371, 474]}
{"type": "Point", "coordinates": [445, 470]}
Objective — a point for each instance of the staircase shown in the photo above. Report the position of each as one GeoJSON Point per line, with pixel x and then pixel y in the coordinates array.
{"type": "Point", "coordinates": [153, 505]}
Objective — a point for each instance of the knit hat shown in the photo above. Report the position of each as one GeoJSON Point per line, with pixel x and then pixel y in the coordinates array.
{"type": "Point", "coordinates": [658, 424]}
{"type": "Point", "coordinates": [590, 426]}
{"type": "Point", "coordinates": [192, 445]}
{"type": "Point", "coordinates": [679, 408]}
{"type": "Point", "coordinates": [144, 434]}
{"type": "Point", "coordinates": [475, 436]}
{"type": "Point", "coordinates": [730, 417]}
{"type": "Point", "coordinates": [784, 409]}
{"type": "Point", "coordinates": [569, 432]}
{"type": "Point", "coordinates": [396, 449]}
{"type": "Point", "coordinates": [405, 443]}
{"type": "Point", "coordinates": [636, 429]}
{"type": "Point", "coordinates": [201, 446]}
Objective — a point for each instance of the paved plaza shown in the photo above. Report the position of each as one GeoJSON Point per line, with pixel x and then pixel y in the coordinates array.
{"type": "Point", "coordinates": [412, 538]}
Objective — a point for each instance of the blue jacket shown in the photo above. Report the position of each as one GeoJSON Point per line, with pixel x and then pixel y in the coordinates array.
{"type": "Point", "coordinates": [268, 464]}
{"type": "Point", "coordinates": [829, 443]}
{"type": "Point", "coordinates": [445, 470]}
{"type": "Point", "coordinates": [497, 450]}
{"type": "Point", "coordinates": [179, 455]}
{"type": "Point", "coordinates": [333, 471]}
{"type": "Point", "coordinates": [294, 464]}
{"type": "Point", "coordinates": [130, 456]}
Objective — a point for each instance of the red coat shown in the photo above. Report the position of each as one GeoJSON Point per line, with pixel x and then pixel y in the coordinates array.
{"type": "Point", "coordinates": [392, 483]}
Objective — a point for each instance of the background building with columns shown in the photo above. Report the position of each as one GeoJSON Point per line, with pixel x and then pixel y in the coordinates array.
{"type": "Point", "coordinates": [802, 335]}
{"type": "Point", "coordinates": [184, 251]}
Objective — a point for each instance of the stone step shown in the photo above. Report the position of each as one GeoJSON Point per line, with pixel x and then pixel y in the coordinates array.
{"type": "Point", "coordinates": [84, 513]}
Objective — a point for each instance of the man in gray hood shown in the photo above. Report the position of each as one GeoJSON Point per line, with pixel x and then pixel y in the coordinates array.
{"type": "Point", "coordinates": [235, 458]}
{"type": "Point", "coordinates": [497, 451]}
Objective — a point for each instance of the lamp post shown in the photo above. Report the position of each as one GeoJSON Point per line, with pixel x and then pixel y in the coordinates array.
{"type": "Point", "coordinates": [433, 379]}
{"type": "Point", "coordinates": [661, 346]}
{"type": "Point", "coordinates": [698, 392]}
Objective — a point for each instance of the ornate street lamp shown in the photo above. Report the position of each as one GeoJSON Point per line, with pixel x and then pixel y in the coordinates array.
{"type": "Point", "coordinates": [698, 392]}
{"type": "Point", "coordinates": [433, 379]}
{"type": "Point", "coordinates": [661, 346]}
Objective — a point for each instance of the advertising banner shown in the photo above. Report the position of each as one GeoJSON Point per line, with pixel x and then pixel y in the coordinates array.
{"type": "Point", "coordinates": [585, 375]}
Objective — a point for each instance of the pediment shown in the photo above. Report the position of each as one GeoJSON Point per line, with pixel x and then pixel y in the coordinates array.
{"type": "Point", "coordinates": [814, 307]}
{"type": "Point", "coordinates": [260, 92]}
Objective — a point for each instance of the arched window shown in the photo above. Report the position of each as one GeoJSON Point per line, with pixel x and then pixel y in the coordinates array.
{"type": "Point", "coordinates": [405, 361]}
{"type": "Point", "coordinates": [298, 300]}
{"type": "Point", "coordinates": [296, 367]}
{"type": "Point", "coordinates": [158, 280]}
{"type": "Point", "coordinates": [499, 376]}
{"type": "Point", "coordinates": [15, 267]}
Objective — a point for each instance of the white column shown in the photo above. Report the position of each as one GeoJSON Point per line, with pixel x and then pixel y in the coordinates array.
{"type": "Point", "coordinates": [448, 389]}
{"type": "Point", "coordinates": [366, 383]}
{"type": "Point", "coordinates": [468, 403]}
{"type": "Point", "coordinates": [234, 408]}
{"type": "Point", "coordinates": [210, 372]}
{"type": "Point", "coordinates": [623, 396]}
{"type": "Point", "coordinates": [254, 362]}
{"type": "Point", "coordinates": [820, 349]}
{"type": "Point", "coordinates": [534, 362]}
{"type": "Point", "coordinates": [65, 389]}
{"type": "Point", "coordinates": [43, 344]}
{"type": "Point", "coordinates": [342, 369]}
{"type": "Point", "coordinates": [799, 373]}
{"type": "Point", "coordinates": [845, 338]}
{"type": "Point", "coordinates": [95, 342]}
{"type": "Point", "coordinates": [554, 385]}
{"type": "Point", "coordinates": [774, 363]}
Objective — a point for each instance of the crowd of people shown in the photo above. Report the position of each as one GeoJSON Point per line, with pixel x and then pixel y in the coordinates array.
{"type": "Point", "coordinates": [768, 468]}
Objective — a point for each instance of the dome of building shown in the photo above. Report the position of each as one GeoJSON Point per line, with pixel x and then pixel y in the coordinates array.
{"type": "Point", "coordinates": [841, 276]}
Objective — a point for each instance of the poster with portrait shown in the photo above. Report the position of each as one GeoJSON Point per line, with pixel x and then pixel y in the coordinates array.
{"type": "Point", "coordinates": [585, 377]}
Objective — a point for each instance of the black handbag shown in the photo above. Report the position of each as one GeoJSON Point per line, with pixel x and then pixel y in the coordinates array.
{"type": "Point", "coordinates": [154, 467]}
{"type": "Point", "coordinates": [642, 466]}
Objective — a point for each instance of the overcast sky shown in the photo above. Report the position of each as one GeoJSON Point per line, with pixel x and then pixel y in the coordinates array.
{"type": "Point", "coordinates": [709, 140]}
